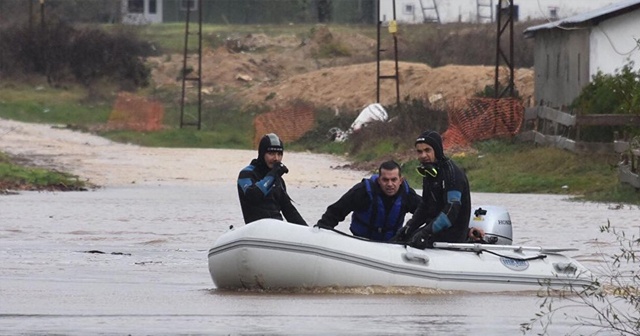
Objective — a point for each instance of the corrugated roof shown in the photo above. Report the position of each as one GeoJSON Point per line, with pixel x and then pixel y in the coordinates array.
{"type": "Point", "coordinates": [588, 18]}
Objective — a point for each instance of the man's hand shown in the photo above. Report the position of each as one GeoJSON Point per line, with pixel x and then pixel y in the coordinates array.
{"type": "Point", "coordinates": [279, 169]}
{"type": "Point", "coordinates": [420, 239]}
{"type": "Point", "coordinates": [401, 236]}
{"type": "Point", "coordinates": [476, 234]}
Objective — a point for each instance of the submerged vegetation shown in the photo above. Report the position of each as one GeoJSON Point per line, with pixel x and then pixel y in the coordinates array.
{"type": "Point", "coordinates": [18, 175]}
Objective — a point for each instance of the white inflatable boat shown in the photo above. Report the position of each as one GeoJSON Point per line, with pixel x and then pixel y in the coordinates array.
{"type": "Point", "coordinates": [272, 254]}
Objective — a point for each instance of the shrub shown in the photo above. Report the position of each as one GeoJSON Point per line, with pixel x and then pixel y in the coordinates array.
{"type": "Point", "coordinates": [617, 93]}
{"type": "Point", "coordinates": [406, 120]}
{"type": "Point", "coordinates": [62, 52]}
{"type": "Point", "coordinates": [463, 43]}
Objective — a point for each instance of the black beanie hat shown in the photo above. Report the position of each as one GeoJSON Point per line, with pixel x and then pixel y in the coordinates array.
{"type": "Point", "coordinates": [433, 139]}
{"type": "Point", "coordinates": [269, 143]}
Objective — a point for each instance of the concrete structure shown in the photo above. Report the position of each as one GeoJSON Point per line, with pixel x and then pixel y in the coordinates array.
{"type": "Point", "coordinates": [410, 11]}
{"type": "Point", "coordinates": [569, 52]}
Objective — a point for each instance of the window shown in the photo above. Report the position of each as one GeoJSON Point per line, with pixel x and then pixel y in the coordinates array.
{"type": "Point", "coordinates": [553, 13]}
{"type": "Point", "coordinates": [191, 4]}
{"type": "Point", "coordinates": [408, 9]}
{"type": "Point", "coordinates": [135, 6]}
{"type": "Point", "coordinates": [152, 7]}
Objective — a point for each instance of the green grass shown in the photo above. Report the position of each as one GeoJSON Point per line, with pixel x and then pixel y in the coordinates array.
{"type": "Point", "coordinates": [45, 104]}
{"type": "Point", "coordinates": [182, 138]}
{"type": "Point", "coordinates": [505, 167]}
{"type": "Point", "coordinates": [223, 124]}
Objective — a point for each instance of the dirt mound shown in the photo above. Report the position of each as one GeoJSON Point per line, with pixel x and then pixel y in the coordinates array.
{"type": "Point", "coordinates": [328, 68]}
{"type": "Point", "coordinates": [354, 86]}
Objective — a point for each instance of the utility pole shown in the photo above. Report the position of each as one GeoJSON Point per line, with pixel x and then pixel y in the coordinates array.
{"type": "Point", "coordinates": [196, 74]}
{"type": "Point", "coordinates": [393, 29]}
{"type": "Point", "coordinates": [505, 26]}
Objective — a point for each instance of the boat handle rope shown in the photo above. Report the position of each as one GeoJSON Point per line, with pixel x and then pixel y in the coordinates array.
{"type": "Point", "coordinates": [360, 238]}
{"type": "Point", "coordinates": [539, 256]}
{"type": "Point", "coordinates": [344, 234]}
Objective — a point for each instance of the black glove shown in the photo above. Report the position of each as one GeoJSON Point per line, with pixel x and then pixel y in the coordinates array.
{"type": "Point", "coordinates": [420, 239]}
{"type": "Point", "coordinates": [401, 236]}
{"type": "Point", "coordinates": [279, 169]}
{"type": "Point", "coordinates": [323, 226]}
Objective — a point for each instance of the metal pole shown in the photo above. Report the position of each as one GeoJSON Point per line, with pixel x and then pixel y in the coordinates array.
{"type": "Point", "coordinates": [184, 64]}
{"type": "Point", "coordinates": [378, 56]}
{"type": "Point", "coordinates": [496, 83]}
{"type": "Point", "coordinates": [395, 47]}
{"type": "Point", "coordinates": [200, 10]}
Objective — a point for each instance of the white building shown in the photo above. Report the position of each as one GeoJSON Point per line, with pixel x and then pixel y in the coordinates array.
{"type": "Point", "coordinates": [448, 11]}
{"type": "Point", "coordinates": [569, 52]}
{"type": "Point", "coordinates": [141, 11]}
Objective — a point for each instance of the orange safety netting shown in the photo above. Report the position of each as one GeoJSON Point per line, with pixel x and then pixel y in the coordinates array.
{"type": "Point", "coordinates": [131, 112]}
{"type": "Point", "coordinates": [477, 119]}
{"type": "Point", "coordinates": [289, 123]}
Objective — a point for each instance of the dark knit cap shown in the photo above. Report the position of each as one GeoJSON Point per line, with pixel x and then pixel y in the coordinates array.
{"type": "Point", "coordinates": [433, 139]}
{"type": "Point", "coordinates": [269, 143]}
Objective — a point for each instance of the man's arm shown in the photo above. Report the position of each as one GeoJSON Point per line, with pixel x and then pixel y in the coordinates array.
{"type": "Point", "coordinates": [413, 202]}
{"type": "Point", "coordinates": [354, 199]}
{"type": "Point", "coordinates": [289, 211]}
{"type": "Point", "coordinates": [253, 189]}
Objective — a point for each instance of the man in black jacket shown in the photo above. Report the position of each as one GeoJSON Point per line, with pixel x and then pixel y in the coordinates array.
{"type": "Point", "coordinates": [379, 205]}
{"type": "Point", "coordinates": [443, 215]}
{"type": "Point", "coordinates": [261, 189]}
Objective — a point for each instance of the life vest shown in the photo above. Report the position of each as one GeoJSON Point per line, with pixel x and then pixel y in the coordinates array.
{"type": "Point", "coordinates": [374, 223]}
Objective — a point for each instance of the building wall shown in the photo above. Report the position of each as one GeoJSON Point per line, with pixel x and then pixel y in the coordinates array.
{"type": "Point", "coordinates": [561, 65]}
{"type": "Point", "coordinates": [613, 43]}
{"type": "Point", "coordinates": [467, 10]}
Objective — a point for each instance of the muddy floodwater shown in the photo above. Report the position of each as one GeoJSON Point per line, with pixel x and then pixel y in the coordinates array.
{"type": "Point", "coordinates": [133, 261]}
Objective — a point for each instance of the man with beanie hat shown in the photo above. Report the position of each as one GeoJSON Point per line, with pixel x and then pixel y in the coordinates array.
{"type": "Point", "coordinates": [443, 215]}
{"type": "Point", "coordinates": [262, 191]}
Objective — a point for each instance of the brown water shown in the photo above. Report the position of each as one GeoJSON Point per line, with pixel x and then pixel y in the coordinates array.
{"type": "Point", "coordinates": [152, 278]}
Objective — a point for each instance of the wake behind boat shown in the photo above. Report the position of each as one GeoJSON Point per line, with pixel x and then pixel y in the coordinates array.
{"type": "Point", "coordinates": [272, 254]}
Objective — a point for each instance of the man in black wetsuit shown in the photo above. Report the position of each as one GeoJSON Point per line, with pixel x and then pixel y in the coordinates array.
{"type": "Point", "coordinates": [443, 215]}
{"type": "Point", "coordinates": [261, 189]}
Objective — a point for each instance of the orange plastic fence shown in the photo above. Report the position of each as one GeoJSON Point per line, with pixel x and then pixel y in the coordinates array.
{"type": "Point", "coordinates": [131, 112]}
{"type": "Point", "coordinates": [477, 119]}
{"type": "Point", "coordinates": [471, 120]}
{"type": "Point", "coordinates": [289, 123]}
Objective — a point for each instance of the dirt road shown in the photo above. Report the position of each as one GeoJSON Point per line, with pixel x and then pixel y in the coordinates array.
{"type": "Point", "coordinates": [110, 164]}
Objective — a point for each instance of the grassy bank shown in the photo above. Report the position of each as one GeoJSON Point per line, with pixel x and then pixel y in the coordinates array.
{"type": "Point", "coordinates": [493, 166]}
{"type": "Point", "coordinates": [504, 166]}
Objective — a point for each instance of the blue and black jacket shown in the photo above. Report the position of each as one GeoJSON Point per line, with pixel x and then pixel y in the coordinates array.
{"type": "Point", "coordinates": [376, 216]}
{"type": "Point", "coordinates": [264, 195]}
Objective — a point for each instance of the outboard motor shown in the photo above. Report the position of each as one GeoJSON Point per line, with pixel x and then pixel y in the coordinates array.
{"type": "Point", "coordinates": [496, 223]}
